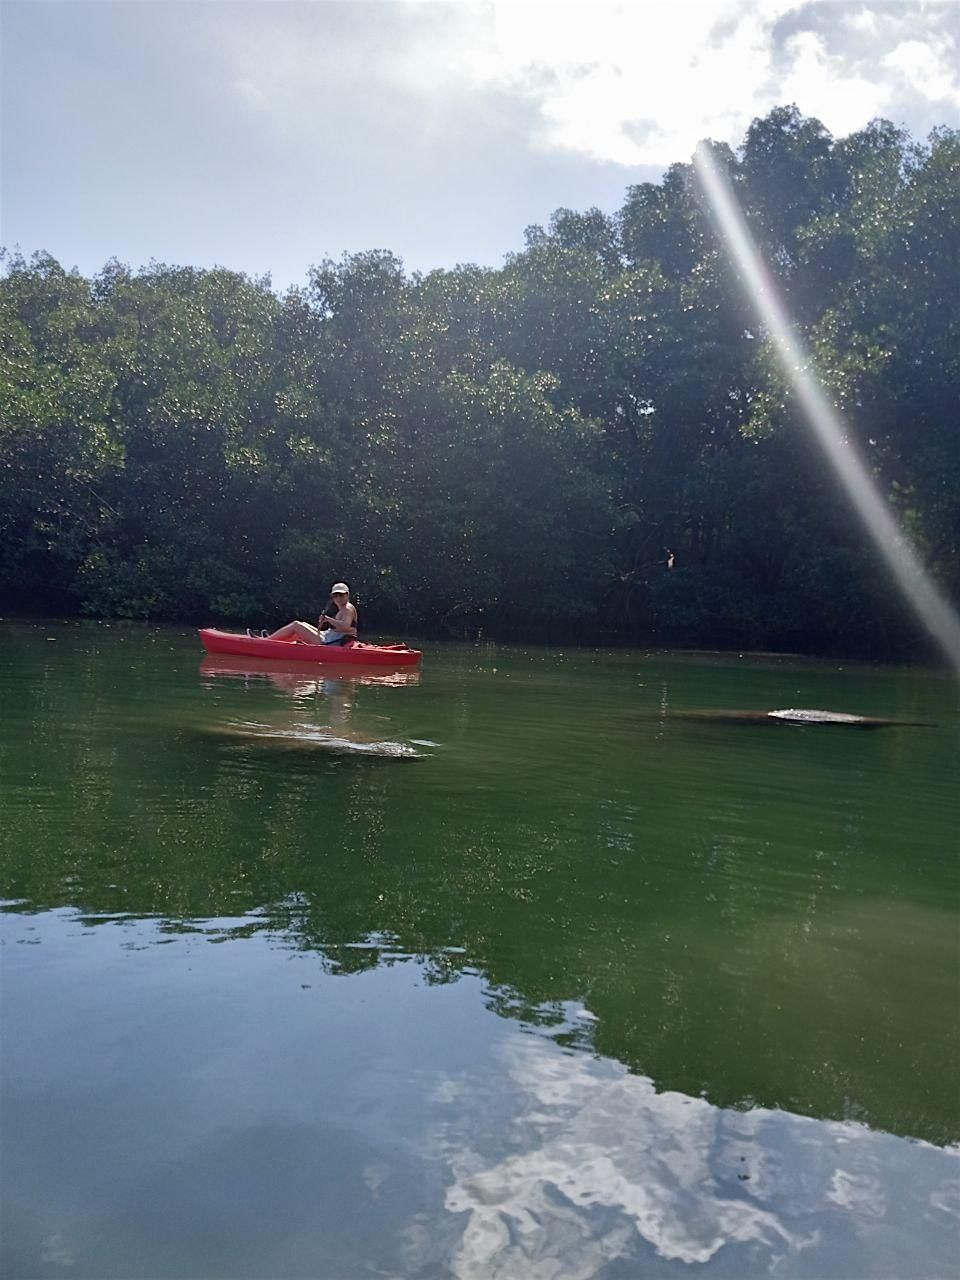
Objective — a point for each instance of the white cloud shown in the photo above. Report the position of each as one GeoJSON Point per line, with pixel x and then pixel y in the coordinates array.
{"type": "Point", "coordinates": [932, 65]}
{"type": "Point", "coordinates": [635, 84]}
{"type": "Point", "coordinates": [863, 20]}
{"type": "Point", "coordinates": [642, 83]}
{"type": "Point", "coordinates": [268, 135]}
{"type": "Point", "coordinates": [843, 101]}
{"type": "Point", "coordinates": [630, 84]}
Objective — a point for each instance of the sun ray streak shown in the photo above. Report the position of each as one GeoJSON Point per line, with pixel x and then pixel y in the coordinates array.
{"type": "Point", "coordinates": [932, 608]}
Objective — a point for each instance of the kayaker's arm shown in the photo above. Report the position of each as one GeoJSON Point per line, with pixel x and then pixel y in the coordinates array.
{"type": "Point", "coordinates": [345, 627]}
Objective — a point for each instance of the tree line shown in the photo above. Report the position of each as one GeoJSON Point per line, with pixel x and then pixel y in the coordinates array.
{"type": "Point", "coordinates": [593, 440]}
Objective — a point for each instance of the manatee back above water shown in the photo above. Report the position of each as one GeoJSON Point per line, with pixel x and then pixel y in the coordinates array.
{"type": "Point", "coordinates": [803, 715]}
{"type": "Point", "coordinates": [794, 715]}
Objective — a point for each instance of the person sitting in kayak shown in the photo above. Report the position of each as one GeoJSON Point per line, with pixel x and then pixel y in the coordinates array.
{"type": "Point", "coordinates": [338, 629]}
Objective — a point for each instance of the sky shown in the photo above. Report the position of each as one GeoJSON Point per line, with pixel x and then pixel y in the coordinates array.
{"type": "Point", "coordinates": [269, 136]}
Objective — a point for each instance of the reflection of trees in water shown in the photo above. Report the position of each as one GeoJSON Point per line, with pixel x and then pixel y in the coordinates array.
{"type": "Point", "coordinates": [729, 962]}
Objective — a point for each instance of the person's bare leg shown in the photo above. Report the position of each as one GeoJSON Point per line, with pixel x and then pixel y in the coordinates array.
{"type": "Point", "coordinates": [297, 631]}
{"type": "Point", "coordinates": [284, 633]}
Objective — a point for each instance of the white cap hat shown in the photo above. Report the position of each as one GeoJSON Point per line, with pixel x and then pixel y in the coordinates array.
{"type": "Point", "coordinates": [339, 589]}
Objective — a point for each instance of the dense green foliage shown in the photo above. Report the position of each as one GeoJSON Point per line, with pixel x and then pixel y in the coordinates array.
{"type": "Point", "coordinates": [514, 449]}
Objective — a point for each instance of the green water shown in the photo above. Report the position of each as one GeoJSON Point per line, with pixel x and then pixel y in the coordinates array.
{"type": "Point", "coordinates": [588, 988]}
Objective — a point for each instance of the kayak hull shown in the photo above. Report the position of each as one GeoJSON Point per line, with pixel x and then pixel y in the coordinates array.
{"type": "Point", "coordinates": [356, 654]}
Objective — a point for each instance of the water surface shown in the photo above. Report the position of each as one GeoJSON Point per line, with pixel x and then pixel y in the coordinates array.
{"type": "Point", "coordinates": [506, 968]}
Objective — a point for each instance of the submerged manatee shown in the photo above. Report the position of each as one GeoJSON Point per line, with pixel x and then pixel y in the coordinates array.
{"type": "Point", "coordinates": [306, 738]}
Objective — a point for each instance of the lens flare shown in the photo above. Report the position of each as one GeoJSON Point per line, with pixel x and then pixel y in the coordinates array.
{"type": "Point", "coordinates": [931, 607]}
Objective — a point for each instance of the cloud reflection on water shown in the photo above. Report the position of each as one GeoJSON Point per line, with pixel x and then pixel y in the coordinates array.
{"type": "Point", "coordinates": [392, 1125]}
{"type": "Point", "coordinates": [603, 1168]}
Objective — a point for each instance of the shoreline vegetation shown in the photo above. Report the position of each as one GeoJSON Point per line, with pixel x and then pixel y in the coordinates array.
{"type": "Point", "coordinates": [591, 444]}
{"type": "Point", "coordinates": [930, 663]}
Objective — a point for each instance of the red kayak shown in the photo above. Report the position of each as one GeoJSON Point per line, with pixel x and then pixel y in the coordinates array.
{"type": "Point", "coordinates": [354, 652]}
